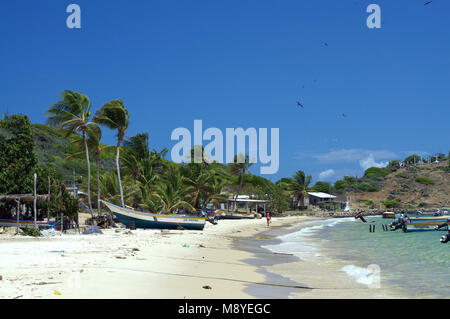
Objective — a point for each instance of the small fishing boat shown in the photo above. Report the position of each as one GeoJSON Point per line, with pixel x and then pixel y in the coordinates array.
{"type": "Point", "coordinates": [390, 215]}
{"type": "Point", "coordinates": [236, 216]}
{"type": "Point", "coordinates": [426, 223]}
{"type": "Point", "coordinates": [129, 217]}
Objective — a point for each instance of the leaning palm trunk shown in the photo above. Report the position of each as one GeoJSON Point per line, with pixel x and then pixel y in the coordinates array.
{"type": "Point", "coordinates": [235, 209]}
{"type": "Point", "coordinates": [99, 207]}
{"type": "Point", "coordinates": [118, 174]}
{"type": "Point", "coordinates": [89, 175]}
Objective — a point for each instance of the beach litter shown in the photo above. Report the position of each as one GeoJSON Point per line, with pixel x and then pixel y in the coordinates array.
{"type": "Point", "coordinates": [201, 246]}
{"type": "Point", "coordinates": [56, 251]}
{"type": "Point", "coordinates": [56, 292]}
{"type": "Point", "coordinates": [92, 230]}
{"type": "Point", "coordinates": [1, 278]}
{"type": "Point", "coordinates": [206, 287]}
{"type": "Point", "coordinates": [48, 232]}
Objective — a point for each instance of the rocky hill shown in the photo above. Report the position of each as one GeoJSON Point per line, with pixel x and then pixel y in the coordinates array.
{"type": "Point", "coordinates": [413, 187]}
{"type": "Point", "coordinates": [52, 149]}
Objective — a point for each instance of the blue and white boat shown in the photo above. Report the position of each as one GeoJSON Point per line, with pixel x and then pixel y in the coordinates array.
{"type": "Point", "coordinates": [426, 223]}
{"type": "Point", "coordinates": [139, 219]}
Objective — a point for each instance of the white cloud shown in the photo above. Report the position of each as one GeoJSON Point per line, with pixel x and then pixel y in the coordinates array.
{"type": "Point", "coordinates": [369, 161]}
{"type": "Point", "coordinates": [325, 174]}
{"type": "Point", "coordinates": [351, 155]}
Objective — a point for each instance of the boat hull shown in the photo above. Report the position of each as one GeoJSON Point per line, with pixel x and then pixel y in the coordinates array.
{"type": "Point", "coordinates": [235, 217]}
{"type": "Point", "coordinates": [129, 217]}
{"type": "Point", "coordinates": [426, 223]}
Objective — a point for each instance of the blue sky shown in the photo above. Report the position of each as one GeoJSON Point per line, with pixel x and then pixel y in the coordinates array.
{"type": "Point", "coordinates": [245, 64]}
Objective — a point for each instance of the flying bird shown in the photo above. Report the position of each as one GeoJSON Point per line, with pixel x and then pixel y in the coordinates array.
{"type": "Point", "coordinates": [299, 104]}
{"type": "Point", "coordinates": [427, 3]}
{"type": "Point", "coordinates": [343, 115]}
{"type": "Point", "coordinates": [326, 44]}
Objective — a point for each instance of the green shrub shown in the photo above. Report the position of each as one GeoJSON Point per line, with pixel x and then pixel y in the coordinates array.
{"type": "Point", "coordinates": [402, 175]}
{"type": "Point", "coordinates": [368, 202]}
{"type": "Point", "coordinates": [31, 231]}
{"type": "Point", "coordinates": [367, 187]}
{"type": "Point", "coordinates": [376, 172]}
{"type": "Point", "coordinates": [340, 185]}
{"type": "Point", "coordinates": [424, 180]}
{"type": "Point", "coordinates": [391, 203]}
{"type": "Point", "coordinates": [322, 187]}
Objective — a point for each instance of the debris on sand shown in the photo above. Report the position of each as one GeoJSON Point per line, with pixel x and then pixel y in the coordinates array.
{"type": "Point", "coordinates": [206, 287]}
{"type": "Point", "coordinates": [92, 230]}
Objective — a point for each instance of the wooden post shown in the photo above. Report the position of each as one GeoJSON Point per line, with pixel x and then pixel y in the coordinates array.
{"type": "Point", "coordinates": [34, 201]}
{"type": "Point", "coordinates": [18, 214]}
{"type": "Point", "coordinates": [62, 222]}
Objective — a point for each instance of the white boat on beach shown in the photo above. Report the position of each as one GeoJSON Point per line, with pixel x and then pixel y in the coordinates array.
{"type": "Point", "coordinates": [139, 219]}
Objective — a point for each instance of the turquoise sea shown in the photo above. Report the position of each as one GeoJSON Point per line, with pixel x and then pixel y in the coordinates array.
{"type": "Point", "coordinates": [416, 263]}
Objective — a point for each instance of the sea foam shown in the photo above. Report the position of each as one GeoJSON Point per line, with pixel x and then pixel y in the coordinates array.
{"type": "Point", "coordinates": [298, 243]}
{"type": "Point", "coordinates": [362, 275]}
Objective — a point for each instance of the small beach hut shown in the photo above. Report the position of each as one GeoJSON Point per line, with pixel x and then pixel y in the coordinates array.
{"type": "Point", "coordinates": [15, 213]}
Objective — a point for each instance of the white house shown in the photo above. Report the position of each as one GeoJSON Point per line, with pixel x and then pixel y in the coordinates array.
{"type": "Point", "coordinates": [316, 198]}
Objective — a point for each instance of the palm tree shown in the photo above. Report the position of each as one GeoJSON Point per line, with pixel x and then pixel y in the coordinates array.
{"type": "Point", "coordinates": [214, 193]}
{"type": "Point", "coordinates": [298, 186]}
{"type": "Point", "coordinates": [135, 149]}
{"type": "Point", "coordinates": [115, 116]}
{"type": "Point", "coordinates": [199, 180]}
{"type": "Point", "coordinates": [172, 193]}
{"type": "Point", "coordinates": [72, 114]}
{"type": "Point", "coordinates": [96, 148]}
{"type": "Point", "coordinates": [109, 186]}
{"type": "Point", "coordinates": [139, 161]}
{"type": "Point", "coordinates": [239, 168]}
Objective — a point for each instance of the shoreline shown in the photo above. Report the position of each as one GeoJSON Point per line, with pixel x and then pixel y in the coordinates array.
{"type": "Point", "coordinates": [173, 265]}
{"type": "Point", "coordinates": [146, 264]}
{"type": "Point", "coordinates": [323, 273]}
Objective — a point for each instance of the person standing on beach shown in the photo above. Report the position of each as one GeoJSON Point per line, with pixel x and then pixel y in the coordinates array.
{"type": "Point", "coordinates": [268, 219]}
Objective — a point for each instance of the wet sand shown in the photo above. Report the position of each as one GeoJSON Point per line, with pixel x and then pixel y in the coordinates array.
{"type": "Point", "coordinates": [227, 258]}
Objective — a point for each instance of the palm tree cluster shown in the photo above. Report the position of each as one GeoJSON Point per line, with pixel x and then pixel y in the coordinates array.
{"type": "Point", "coordinates": [144, 179]}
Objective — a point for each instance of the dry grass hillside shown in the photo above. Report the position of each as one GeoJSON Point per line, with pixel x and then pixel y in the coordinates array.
{"type": "Point", "coordinates": [417, 186]}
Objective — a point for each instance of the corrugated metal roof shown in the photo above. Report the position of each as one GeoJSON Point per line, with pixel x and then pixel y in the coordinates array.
{"type": "Point", "coordinates": [321, 195]}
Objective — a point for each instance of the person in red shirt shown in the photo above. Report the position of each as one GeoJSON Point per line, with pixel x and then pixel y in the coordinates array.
{"type": "Point", "coordinates": [268, 218]}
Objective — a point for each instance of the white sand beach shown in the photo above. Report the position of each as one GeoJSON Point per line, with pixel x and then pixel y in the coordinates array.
{"type": "Point", "coordinates": [154, 264]}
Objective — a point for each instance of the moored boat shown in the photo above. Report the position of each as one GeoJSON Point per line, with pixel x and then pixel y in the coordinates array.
{"type": "Point", "coordinates": [390, 215]}
{"type": "Point", "coordinates": [156, 221]}
{"type": "Point", "coordinates": [426, 223]}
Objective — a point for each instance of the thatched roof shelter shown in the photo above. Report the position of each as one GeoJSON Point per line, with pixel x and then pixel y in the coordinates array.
{"type": "Point", "coordinates": [23, 198]}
